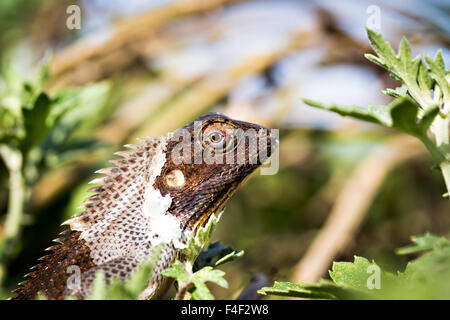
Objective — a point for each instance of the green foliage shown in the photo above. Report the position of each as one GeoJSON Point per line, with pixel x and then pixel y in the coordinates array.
{"type": "Point", "coordinates": [38, 131]}
{"type": "Point", "coordinates": [401, 114]}
{"type": "Point", "coordinates": [46, 128]}
{"type": "Point", "coordinates": [421, 103]}
{"type": "Point", "coordinates": [197, 242]}
{"type": "Point", "coordinates": [186, 278]}
{"type": "Point", "coordinates": [324, 289]}
{"type": "Point", "coordinates": [426, 277]}
{"type": "Point", "coordinates": [198, 268]}
{"type": "Point", "coordinates": [422, 243]}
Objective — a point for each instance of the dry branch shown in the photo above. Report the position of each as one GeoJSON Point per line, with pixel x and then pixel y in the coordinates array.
{"type": "Point", "coordinates": [213, 88]}
{"type": "Point", "coordinates": [87, 59]}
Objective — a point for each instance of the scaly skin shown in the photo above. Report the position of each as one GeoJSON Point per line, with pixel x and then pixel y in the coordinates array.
{"type": "Point", "coordinates": [148, 198]}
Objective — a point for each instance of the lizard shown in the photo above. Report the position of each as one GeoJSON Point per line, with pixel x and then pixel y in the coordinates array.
{"type": "Point", "coordinates": [159, 191]}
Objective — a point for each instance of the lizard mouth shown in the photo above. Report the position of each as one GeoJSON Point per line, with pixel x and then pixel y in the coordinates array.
{"type": "Point", "coordinates": [203, 219]}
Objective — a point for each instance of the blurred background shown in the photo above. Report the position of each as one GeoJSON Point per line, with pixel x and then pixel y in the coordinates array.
{"type": "Point", "coordinates": [139, 68]}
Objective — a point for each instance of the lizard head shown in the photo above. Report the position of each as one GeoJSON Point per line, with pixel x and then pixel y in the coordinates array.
{"type": "Point", "coordinates": [206, 161]}
{"type": "Point", "coordinates": [171, 184]}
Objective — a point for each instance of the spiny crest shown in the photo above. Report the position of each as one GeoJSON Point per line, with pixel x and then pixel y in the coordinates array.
{"type": "Point", "coordinates": [133, 164]}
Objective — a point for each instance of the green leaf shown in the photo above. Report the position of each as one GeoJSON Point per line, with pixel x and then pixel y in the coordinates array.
{"type": "Point", "coordinates": [236, 254]}
{"type": "Point", "coordinates": [437, 68]}
{"type": "Point", "coordinates": [215, 255]}
{"type": "Point", "coordinates": [374, 114]}
{"type": "Point", "coordinates": [35, 121]}
{"type": "Point", "coordinates": [402, 67]}
{"type": "Point", "coordinates": [201, 292]}
{"type": "Point", "coordinates": [386, 55]}
{"type": "Point", "coordinates": [196, 243]}
{"type": "Point", "coordinates": [401, 91]}
{"type": "Point", "coordinates": [178, 272]}
{"type": "Point", "coordinates": [404, 116]}
{"type": "Point", "coordinates": [301, 290]}
{"type": "Point", "coordinates": [324, 289]}
{"type": "Point", "coordinates": [401, 114]}
{"type": "Point", "coordinates": [184, 277]}
{"type": "Point", "coordinates": [404, 51]}
{"type": "Point", "coordinates": [422, 243]}
{"type": "Point", "coordinates": [350, 274]}
{"type": "Point", "coordinates": [426, 277]}
{"type": "Point", "coordinates": [427, 119]}
{"type": "Point", "coordinates": [424, 79]}
{"type": "Point", "coordinates": [209, 274]}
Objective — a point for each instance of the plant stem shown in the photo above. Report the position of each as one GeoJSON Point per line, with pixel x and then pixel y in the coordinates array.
{"type": "Point", "coordinates": [13, 161]}
{"type": "Point", "coordinates": [445, 168]}
{"type": "Point", "coordinates": [181, 293]}
{"type": "Point", "coordinates": [441, 132]}
{"type": "Point", "coordinates": [184, 288]}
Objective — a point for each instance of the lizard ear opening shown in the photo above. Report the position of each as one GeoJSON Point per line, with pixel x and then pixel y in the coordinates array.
{"type": "Point", "coordinates": [175, 179]}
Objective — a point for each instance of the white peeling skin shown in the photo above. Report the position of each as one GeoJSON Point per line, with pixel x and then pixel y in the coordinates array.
{"type": "Point", "coordinates": [164, 228]}
{"type": "Point", "coordinates": [160, 225]}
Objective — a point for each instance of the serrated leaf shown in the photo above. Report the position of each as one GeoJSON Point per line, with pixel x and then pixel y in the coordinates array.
{"type": "Point", "coordinates": [301, 290]}
{"type": "Point", "coordinates": [196, 243]}
{"type": "Point", "coordinates": [426, 277]}
{"type": "Point", "coordinates": [201, 292]}
{"type": "Point", "coordinates": [324, 289]}
{"type": "Point", "coordinates": [350, 274]}
{"type": "Point", "coordinates": [185, 276]}
{"type": "Point", "coordinates": [404, 50]}
{"type": "Point", "coordinates": [178, 272]}
{"type": "Point", "coordinates": [424, 80]}
{"type": "Point", "coordinates": [401, 66]}
{"type": "Point", "coordinates": [375, 60]}
{"type": "Point", "coordinates": [401, 114]}
{"type": "Point", "coordinates": [211, 275]}
{"type": "Point", "coordinates": [350, 111]}
{"type": "Point", "coordinates": [401, 91]}
{"type": "Point", "coordinates": [437, 68]}
{"type": "Point", "coordinates": [383, 49]}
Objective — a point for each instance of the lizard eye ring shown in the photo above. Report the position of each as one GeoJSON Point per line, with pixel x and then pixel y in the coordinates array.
{"type": "Point", "coordinates": [219, 136]}
{"type": "Point", "coordinates": [215, 137]}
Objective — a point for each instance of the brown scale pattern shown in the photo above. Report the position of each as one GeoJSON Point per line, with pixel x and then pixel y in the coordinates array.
{"type": "Point", "coordinates": [50, 277]}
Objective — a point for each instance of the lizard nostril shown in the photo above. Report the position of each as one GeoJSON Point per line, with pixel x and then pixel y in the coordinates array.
{"type": "Point", "coordinates": [175, 178]}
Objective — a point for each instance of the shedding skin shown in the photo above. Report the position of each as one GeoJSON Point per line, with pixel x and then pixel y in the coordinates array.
{"type": "Point", "coordinates": [147, 198]}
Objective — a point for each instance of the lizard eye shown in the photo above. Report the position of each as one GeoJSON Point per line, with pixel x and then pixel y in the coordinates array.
{"type": "Point", "coordinates": [215, 137]}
